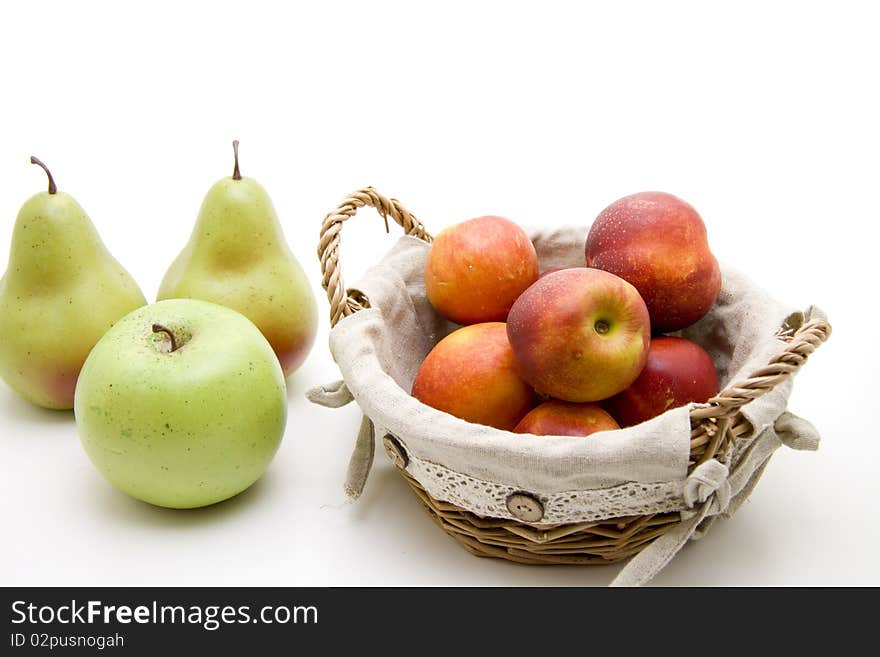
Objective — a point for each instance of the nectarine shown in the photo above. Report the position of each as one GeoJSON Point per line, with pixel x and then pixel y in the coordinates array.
{"type": "Point", "coordinates": [475, 270]}
{"type": "Point", "coordinates": [561, 418]}
{"type": "Point", "coordinates": [677, 371]}
{"type": "Point", "coordinates": [471, 374]}
{"type": "Point", "coordinates": [579, 334]}
{"type": "Point", "coordinates": [658, 243]}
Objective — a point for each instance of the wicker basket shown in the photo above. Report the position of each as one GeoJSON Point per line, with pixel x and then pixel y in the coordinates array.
{"type": "Point", "coordinates": [713, 427]}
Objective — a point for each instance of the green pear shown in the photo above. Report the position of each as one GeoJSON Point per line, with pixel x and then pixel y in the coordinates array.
{"type": "Point", "coordinates": [238, 257]}
{"type": "Point", "coordinates": [61, 292]}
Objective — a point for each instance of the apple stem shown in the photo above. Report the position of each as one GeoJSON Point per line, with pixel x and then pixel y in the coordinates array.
{"type": "Point", "coordinates": [52, 187]}
{"type": "Point", "coordinates": [236, 174]}
{"type": "Point", "coordinates": [158, 328]}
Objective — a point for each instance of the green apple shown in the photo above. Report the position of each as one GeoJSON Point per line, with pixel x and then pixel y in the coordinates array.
{"type": "Point", "coordinates": [181, 404]}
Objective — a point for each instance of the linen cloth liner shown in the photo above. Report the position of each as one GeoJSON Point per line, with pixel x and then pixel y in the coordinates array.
{"type": "Point", "coordinates": [379, 351]}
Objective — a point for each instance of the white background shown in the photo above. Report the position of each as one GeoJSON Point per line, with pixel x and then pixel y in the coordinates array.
{"type": "Point", "coordinates": [762, 115]}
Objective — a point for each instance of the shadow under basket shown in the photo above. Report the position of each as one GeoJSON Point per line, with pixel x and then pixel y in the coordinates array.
{"type": "Point", "coordinates": [715, 428]}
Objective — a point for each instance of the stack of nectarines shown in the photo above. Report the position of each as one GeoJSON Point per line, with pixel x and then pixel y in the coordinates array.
{"type": "Point", "coordinates": [570, 351]}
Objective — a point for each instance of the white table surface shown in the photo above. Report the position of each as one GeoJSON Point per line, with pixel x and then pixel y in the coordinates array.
{"type": "Point", "coordinates": [767, 123]}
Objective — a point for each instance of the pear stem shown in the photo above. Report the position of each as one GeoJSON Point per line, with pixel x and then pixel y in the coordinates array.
{"type": "Point", "coordinates": [158, 328]}
{"type": "Point", "coordinates": [236, 174]}
{"type": "Point", "coordinates": [52, 187]}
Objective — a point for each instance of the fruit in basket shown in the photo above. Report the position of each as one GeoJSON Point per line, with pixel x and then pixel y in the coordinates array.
{"type": "Point", "coordinates": [181, 404]}
{"type": "Point", "coordinates": [476, 269]}
{"type": "Point", "coordinates": [471, 374]}
{"type": "Point", "coordinates": [560, 418]}
{"type": "Point", "coordinates": [238, 257]}
{"type": "Point", "coordinates": [658, 243]}
{"type": "Point", "coordinates": [62, 291]}
{"type": "Point", "coordinates": [549, 271]}
{"type": "Point", "coordinates": [579, 334]}
{"type": "Point", "coordinates": [677, 371]}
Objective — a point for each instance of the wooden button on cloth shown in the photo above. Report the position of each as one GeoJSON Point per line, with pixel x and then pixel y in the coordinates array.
{"type": "Point", "coordinates": [525, 507]}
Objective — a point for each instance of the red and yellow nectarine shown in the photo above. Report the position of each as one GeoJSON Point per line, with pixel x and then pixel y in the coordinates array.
{"type": "Point", "coordinates": [561, 418]}
{"type": "Point", "coordinates": [475, 270]}
{"type": "Point", "coordinates": [471, 374]}
{"type": "Point", "coordinates": [579, 334]}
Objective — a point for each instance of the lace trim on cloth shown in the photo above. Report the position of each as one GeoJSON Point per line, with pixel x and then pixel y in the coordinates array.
{"type": "Point", "coordinates": [488, 499]}
{"type": "Point", "coordinates": [748, 458]}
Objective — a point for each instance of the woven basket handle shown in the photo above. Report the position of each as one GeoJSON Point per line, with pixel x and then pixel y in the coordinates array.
{"type": "Point", "coordinates": [344, 302]}
{"type": "Point", "coordinates": [721, 420]}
